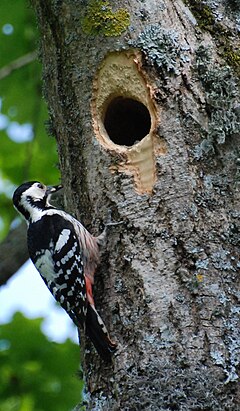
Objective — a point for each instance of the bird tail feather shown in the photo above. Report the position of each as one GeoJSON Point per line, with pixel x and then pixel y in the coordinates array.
{"type": "Point", "coordinates": [98, 334]}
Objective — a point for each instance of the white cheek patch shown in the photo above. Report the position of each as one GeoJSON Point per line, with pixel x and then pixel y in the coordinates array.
{"type": "Point", "coordinates": [62, 239]}
{"type": "Point", "coordinates": [34, 192]}
{"type": "Point", "coordinates": [29, 197]}
{"type": "Point", "coordinates": [25, 203]}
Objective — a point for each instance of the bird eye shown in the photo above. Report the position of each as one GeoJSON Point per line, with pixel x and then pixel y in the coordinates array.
{"type": "Point", "coordinates": [40, 186]}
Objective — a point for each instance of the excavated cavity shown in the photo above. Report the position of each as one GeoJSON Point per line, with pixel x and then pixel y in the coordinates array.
{"type": "Point", "coordinates": [127, 121]}
{"type": "Point", "coordinates": [125, 117]}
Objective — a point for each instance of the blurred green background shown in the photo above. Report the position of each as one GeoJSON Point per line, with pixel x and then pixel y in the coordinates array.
{"type": "Point", "coordinates": [26, 151]}
{"type": "Point", "coordinates": [35, 374]}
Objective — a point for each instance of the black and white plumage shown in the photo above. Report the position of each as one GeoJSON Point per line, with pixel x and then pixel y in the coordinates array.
{"type": "Point", "coordinates": [66, 256]}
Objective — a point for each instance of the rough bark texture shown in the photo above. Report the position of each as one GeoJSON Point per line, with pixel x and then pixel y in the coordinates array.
{"type": "Point", "coordinates": [168, 285]}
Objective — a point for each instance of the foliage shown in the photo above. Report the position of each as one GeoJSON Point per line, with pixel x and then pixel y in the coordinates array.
{"type": "Point", "coordinates": [36, 374]}
{"type": "Point", "coordinates": [22, 109]}
{"type": "Point", "coordinates": [100, 19]}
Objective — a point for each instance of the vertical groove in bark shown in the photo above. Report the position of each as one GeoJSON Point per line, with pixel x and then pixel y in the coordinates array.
{"type": "Point", "coordinates": [168, 282]}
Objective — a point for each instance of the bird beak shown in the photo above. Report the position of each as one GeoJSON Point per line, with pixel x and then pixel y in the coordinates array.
{"type": "Point", "coordinates": [53, 189]}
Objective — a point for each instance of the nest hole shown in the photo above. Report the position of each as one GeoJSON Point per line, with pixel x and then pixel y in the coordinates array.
{"type": "Point", "coordinates": [127, 121]}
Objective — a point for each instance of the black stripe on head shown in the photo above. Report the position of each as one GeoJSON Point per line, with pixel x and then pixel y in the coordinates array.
{"type": "Point", "coordinates": [17, 195]}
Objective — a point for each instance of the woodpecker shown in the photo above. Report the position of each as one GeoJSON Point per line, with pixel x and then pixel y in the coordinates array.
{"type": "Point", "coordinates": [66, 256]}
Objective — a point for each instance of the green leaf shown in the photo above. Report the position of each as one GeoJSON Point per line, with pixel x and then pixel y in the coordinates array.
{"type": "Point", "coordinates": [36, 374]}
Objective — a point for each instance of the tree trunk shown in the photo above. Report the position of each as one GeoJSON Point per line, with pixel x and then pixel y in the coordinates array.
{"type": "Point", "coordinates": [144, 102]}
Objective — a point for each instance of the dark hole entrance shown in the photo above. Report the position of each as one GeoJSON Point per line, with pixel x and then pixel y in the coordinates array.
{"type": "Point", "coordinates": [127, 121]}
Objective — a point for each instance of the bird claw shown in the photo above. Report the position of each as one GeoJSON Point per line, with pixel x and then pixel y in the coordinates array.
{"type": "Point", "coordinates": [109, 221]}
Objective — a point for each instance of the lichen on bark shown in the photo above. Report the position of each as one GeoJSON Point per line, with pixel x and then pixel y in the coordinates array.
{"type": "Point", "coordinates": [222, 96]}
{"type": "Point", "coordinates": [211, 20]}
{"type": "Point", "coordinates": [99, 18]}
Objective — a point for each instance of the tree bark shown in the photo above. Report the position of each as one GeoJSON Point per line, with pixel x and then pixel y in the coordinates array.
{"type": "Point", "coordinates": [146, 116]}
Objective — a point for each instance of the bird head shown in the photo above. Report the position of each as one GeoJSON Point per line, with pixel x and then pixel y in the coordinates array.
{"type": "Point", "coordinates": [32, 196]}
